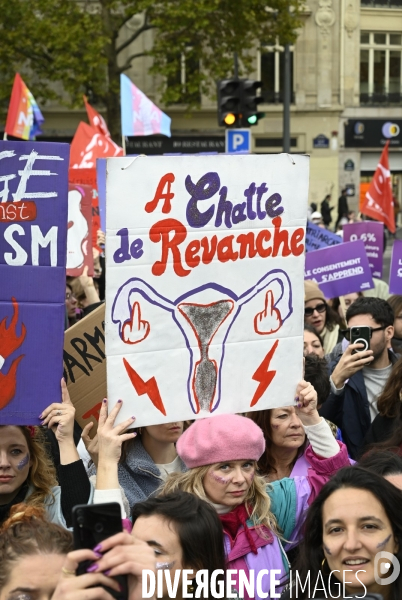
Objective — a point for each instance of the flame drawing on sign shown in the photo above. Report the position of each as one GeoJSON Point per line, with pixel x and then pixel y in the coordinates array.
{"type": "Point", "coordinates": [202, 315]}
{"type": "Point", "coordinates": [9, 343]}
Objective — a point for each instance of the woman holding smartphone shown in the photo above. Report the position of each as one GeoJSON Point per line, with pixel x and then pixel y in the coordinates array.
{"type": "Point", "coordinates": [37, 561]}
{"type": "Point", "coordinates": [170, 533]}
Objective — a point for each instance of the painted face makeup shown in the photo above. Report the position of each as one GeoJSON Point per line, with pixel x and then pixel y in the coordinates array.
{"type": "Point", "coordinates": [355, 528]}
{"type": "Point", "coordinates": [219, 479]}
{"type": "Point", "coordinates": [23, 463]}
{"type": "Point", "coordinates": [385, 542]}
{"type": "Point", "coordinates": [228, 483]}
{"type": "Point", "coordinates": [165, 565]}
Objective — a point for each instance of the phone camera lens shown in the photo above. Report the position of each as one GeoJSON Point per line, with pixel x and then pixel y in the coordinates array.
{"type": "Point", "coordinates": [98, 527]}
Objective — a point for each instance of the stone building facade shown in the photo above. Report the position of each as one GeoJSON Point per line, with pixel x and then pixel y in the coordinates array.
{"type": "Point", "coordinates": [346, 98]}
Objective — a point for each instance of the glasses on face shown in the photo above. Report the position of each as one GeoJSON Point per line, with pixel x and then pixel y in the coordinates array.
{"type": "Point", "coordinates": [69, 296]}
{"type": "Point", "coordinates": [320, 308]}
{"type": "Point", "coordinates": [346, 332]}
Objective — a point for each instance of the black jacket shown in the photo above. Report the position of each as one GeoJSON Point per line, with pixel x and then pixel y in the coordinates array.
{"type": "Point", "coordinates": [350, 410]}
{"type": "Point", "coordinates": [380, 430]}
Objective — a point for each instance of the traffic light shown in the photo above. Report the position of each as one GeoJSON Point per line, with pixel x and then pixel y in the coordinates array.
{"type": "Point", "coordinates": [229, 102]}
{"type": "Point", "coordinates": [238, 102]}
{"type": "Point", "coordinates": [250, 102]}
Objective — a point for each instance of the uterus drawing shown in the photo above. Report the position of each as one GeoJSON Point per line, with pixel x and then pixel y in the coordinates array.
{"type": "Point", "coordinates": [204, 315]}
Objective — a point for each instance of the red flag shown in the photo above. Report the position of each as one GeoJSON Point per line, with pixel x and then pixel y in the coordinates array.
{"type": "Point", "coordinates": [88, 145]}
{"type": "Point", "coordinates": [96, 120]}
{"type": "Point", "coordinates": [378, 203]}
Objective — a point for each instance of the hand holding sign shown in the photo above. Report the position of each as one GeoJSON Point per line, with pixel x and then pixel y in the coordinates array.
{"type": "Point", "coordinates": [111, 436]}
{"type": "Point", "coordinates": [269, 320]}
{"type": "Point", "coordinates": [135, 330]}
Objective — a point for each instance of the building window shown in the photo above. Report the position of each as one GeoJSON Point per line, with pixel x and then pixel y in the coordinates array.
{"type": "Point", "coordinates": [272, 70]}
{"type": "Point", "coordinates": [382, 3]}
{"type": "Point", "coordinates": [182, 64]}
{"type": "Point", "coordinates": [380, 68]}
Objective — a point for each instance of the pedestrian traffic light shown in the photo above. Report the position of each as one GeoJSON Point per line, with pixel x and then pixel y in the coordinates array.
{"type": "Point", "coordinates": [250, 102]}
{"type": "Point", "coordinates": [229, 102]}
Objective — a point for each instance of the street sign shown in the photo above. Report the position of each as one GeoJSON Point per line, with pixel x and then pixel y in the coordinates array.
{"type": "Point", "coordinates": [237, 140]}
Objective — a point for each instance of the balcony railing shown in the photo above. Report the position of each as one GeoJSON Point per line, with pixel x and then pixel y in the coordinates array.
{"type": "Point", "coordinates": [380, 99]}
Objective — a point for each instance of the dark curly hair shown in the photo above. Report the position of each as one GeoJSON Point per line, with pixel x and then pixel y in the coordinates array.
{"type": "Point", "coordinates": [378, 308]}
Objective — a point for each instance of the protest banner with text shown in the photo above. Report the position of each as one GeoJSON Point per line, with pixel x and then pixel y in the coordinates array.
{"type": "Point", "coordinates": [33, 240]}
{"type": "Point", "coordinates": [204, 298]}
{"type": "Point", "coordinates": [85, 366]}
{"type": "Point", "coordinates": [318, 237]}
{"type": "Point", "coordinates": [342, 272]}
{"type": "Point", "coordinates": [372, 235]}
{"type": "Point", "coordinates": [79, 235]}
{"type": "Point", "coordinates": [395, 273]}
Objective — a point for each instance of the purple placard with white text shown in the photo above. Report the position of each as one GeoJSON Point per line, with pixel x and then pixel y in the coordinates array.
{"type": "Point", "coordinates": [341, 271]}
{"type": "Point", "coordinates": [395, 273]}
{"type": "Point", "coordinates": [33, 245]}
{"type": "Point", "coordinates": [318, 237]}
{"type": "Point", "coordinates": [372, 235]}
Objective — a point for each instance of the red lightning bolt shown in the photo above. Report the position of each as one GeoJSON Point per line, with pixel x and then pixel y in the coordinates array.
{"type": "Point", "coordinates": [263, 376]}
{"type": "Point", "coordinates": [142, 387]}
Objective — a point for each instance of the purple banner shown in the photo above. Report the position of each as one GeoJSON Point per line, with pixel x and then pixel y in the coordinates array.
{"type": "Point", "coordinates": [318, 237]}
{"type": "Point", "coordinates": [340, 272]}
{"type": "Point", "coordinates": [33, 244]}
{"type": "Point", "coordinates": [395, 273]}
{"type": "Point", "coordinates": [372, 235]}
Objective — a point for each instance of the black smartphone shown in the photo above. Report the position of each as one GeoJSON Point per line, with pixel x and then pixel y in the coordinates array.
{"type": "Point", "coordinates": [92, 524]}
{"type": "Point", "coordinates": [360, 335]}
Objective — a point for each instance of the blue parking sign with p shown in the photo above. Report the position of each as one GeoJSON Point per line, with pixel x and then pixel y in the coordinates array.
{"type": "Point", "coordinates": [238, 140]}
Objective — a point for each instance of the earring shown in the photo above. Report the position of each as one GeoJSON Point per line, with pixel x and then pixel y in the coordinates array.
{"type": "Point", "coordinates": [323, 563]}
{"type": "Point", "coordinates": [191, 587]}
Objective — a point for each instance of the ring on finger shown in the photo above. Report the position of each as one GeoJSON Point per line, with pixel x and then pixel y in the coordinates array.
{"type": "Point", "coordinates": [67, 572]}
{"type": "Point", "coordinates": [58, 413]}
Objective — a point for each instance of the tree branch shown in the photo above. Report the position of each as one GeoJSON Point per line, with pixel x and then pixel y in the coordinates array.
{"type": "Point", "coordinates": [133, 37]}
{"type": "Point", "coordinates": [127, 64]}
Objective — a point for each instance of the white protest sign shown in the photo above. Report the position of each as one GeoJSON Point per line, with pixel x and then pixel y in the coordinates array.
{"type": "Point", "coordinates": [204, 298]}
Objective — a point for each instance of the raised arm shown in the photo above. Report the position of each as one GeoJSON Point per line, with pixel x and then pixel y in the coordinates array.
{"type": "Point", "coordinates": [110, 439]}
{"type": "Point", "coordinates": [74, 484]}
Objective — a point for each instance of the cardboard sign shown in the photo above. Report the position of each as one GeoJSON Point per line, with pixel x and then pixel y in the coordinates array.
{"type": "Point", "coordinates": [317, 237]}
{"type": "Point", "coordinates": [88, 177]}
{"type": "Point", "coordinates": [204, 299]}
{"type": "Point", "coordinates": [33, 241]}
{"type": "Point", "coordinates": [372, 235]}
{"type": "Point", "coordinates": [79, 234]}
{"type": "Point", "coordinates": [341, 272]}
{"type": "Point", "coordinates": [395, 273]}
{"type": "Point", "coordinates": [85, 366]}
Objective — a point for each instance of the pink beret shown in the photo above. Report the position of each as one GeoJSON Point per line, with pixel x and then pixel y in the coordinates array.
{"type": "Point", "coordinates": [220, 439]}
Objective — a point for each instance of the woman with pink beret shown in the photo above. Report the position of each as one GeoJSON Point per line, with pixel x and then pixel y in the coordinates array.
{"type": "Point", "coordinates": [260, 521]}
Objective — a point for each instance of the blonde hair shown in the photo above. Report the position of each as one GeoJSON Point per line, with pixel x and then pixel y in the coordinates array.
{"type": "Point", "coordinates": [257, 498]}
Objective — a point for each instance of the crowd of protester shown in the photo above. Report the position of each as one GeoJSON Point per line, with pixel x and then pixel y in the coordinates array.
{"type": "Point", "coordinates": [312, 488]}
